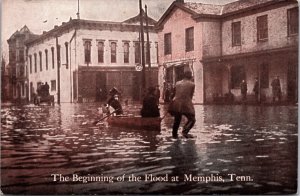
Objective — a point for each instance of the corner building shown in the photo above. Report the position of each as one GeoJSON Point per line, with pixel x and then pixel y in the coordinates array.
{"type": "Point", "coordinates": [225, 44]}
{"type": "Point", "coordinates": [82, 60]}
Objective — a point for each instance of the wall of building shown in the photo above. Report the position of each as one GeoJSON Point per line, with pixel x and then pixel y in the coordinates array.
{"type": "Point", "coordinates": [68, 73]}
{"type": "Point", "coordinates": [177, 23]}
{"type": "Point", "coordinates": [211, 38]}
{"type": "Point", "coordinates": [51, 74]}
{"type": "Point", "coordinates": [277, 32]}
{"type": "Point", "coordinates": [117, 36]}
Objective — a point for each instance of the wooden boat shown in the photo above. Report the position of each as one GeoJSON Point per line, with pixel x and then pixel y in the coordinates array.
{"type": "Point", "coordinates": [135, 122]}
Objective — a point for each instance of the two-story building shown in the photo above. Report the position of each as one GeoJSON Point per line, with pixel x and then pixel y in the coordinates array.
{"type": "Point", "coordinates": [225, 44]}
{"type": "Point", "coordinates": [82, 60]}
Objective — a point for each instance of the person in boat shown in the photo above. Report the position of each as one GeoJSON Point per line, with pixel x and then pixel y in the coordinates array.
{"type": "Point", "coordinates": [114, 102]}
{"type": "Point", "coordinates": [182, 105]}
{"type": "Point", "coordinates": [150, 106]}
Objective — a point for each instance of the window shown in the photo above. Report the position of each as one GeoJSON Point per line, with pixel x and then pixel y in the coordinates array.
{"type": "Point", "coordinates": [21, 55]}
{"type": "Point", "coordinates": [35, 62]}
{"type": "Point", "coordinates": [52, 55]}
{"type": "Point", "coordinates": [67, 55]}
{"type": "Point", "coordinates": [53, 85]}
{"type": "Point", "coordinates": [100, 52]}
{"type": "Point", "coordinates": [41, 61]}
{"type": "Point", "coordinates": [189, 39]}
{"type": "Point", "coordinates": [126, 52]}
{"type": "Point", "coordinates": [87, 52]}
{"type": "Point", "coordinates": [168, 43]}
{"type": "Point", "coordinates": [21, 70]}
{"type": "Point", "coordinates": [113, 48]}
{"type": "Point", "coordinates": [262, 28]}
{"type": "Point", "coordinates": [137, 52]}
{"type": "Point", "coordinates": [236, 33]}
{"type": "Point", "coordinates": [293, 15]}
{"type": "Point", "coordinates": [264, 76]}
{"type": "Point", "coordinates": [30, 63]}
{"type": "Point", "coordinates": [237, 76]}
{"type": "Point", "coordinates": [46, 58]}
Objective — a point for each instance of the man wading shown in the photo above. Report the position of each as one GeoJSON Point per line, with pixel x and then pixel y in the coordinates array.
{"type": "Point", "coordinates": [182, 105]}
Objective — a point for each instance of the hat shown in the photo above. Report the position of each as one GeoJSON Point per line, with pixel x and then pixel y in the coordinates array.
{"type": "Point", "coordinates": [187, 74]}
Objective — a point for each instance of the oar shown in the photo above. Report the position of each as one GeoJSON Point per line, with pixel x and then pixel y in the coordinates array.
{"type": "Point", "coordinates": [97, 121]}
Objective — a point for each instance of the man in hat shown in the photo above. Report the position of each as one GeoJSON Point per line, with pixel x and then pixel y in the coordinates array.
{"type": "Point", "coordinates": [182, 105]}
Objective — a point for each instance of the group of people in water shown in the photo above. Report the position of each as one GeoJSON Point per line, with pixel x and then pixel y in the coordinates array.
{"type": "Point", "coordinates": [180, 104]}
{"type": "Point", "coordinates": [150, 107]}
{"type": "Point", "coordinates": [276, 89]}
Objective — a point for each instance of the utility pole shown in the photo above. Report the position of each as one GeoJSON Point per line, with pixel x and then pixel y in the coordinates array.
{"type": "Point", "coordinates": [78, 16]}
{"type": "Point", "coordinates": [142, 45]}
{"type": "Point", "coordinates": [148, 49]}
{"type": "Point", "coordinates": [58, 69]}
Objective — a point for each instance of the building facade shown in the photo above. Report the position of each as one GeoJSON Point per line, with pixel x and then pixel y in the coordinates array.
{"type": "Point", "coordinates": [17, 88]}
{"type": "Point", "coordinates": [243, 40]}
{"type": "Point", "coordinates": [82, 60]}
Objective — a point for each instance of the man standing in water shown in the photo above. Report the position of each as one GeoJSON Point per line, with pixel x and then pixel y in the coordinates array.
{"type": "Point", "coordinates": [182, 105]}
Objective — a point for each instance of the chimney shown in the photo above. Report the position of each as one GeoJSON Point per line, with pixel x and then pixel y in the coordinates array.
{"type": "Point", "coordinates": [179, 1]}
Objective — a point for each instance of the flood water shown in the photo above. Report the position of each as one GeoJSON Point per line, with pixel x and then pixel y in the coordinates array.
{"type": "Point", "coordinates": [258, 143]}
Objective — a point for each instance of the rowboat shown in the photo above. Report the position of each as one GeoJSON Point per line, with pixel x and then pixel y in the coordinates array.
{"type": "Point", "coordinates": [135, 122]}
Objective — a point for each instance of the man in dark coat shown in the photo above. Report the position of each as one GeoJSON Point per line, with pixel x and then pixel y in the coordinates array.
{"type": "Point", "coordinates": [182, 105]}
{"type": "Point", "coordinates": [276, 89]}
{"type": "Point", "coordinates": [46, 86]}
{"type": "Point", "coordinates": [244, 90]}
{"type": "Point", "coordinates": [150, 106]}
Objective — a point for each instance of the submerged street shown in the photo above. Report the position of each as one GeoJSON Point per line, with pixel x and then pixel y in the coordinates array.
{"type": "Point", "coordinates": [258, 143]}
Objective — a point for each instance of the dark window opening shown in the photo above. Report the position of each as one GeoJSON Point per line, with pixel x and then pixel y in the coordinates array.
{"type": "Point", "coordinates": [100, 52]}
{"type": "Point", "coordinates": [167, 43]}
{"type": "Point", "coordinates": [87, 52]}
{"type": "Point", "coordinates": [236, 33]}
{"type": "Point", "coordinates": [293, 21]}
{"type": "Point", "coordinates": [189, 39]}
{"type": "Point", "coordinates": [113, 52]}
{"type": "Point", "coordinates": [262, 28]}
{"type": "Point", "coordinates": [126, 52]}
{"type": "Point", "coordinates": [41, 61]}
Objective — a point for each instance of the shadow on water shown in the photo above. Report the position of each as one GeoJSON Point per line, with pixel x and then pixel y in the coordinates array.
{"type": "Point", "coordinates": [260, 142]}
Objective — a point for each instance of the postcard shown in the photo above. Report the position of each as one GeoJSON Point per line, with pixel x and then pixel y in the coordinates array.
{"type": "Point", "coordinates": [172, 97]}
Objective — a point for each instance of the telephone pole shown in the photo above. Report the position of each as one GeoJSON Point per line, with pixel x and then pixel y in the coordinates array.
{"type": "Point", "coordinates": [142, 46]}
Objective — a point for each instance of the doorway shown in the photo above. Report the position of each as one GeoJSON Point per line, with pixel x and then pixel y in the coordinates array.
{"type": "Point", "coordinates": [101, 91]}
{"type": "Point", "coordinates": [292, 81]}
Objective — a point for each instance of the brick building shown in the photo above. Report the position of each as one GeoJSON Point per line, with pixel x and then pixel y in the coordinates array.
{"type": "Point", "coordinates": [82, 60]}
{"type": "Point", "coordinates": [225, 44]}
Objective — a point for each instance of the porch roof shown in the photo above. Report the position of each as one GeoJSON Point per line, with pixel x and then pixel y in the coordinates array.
{"type": "Point", "coordinates": [249, 54]}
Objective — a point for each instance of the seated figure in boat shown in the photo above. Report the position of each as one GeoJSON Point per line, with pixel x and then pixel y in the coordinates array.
{"type": "Point", "coordinates": [150, 106]}
{"type": "Point", "coordinates": [114, 102]}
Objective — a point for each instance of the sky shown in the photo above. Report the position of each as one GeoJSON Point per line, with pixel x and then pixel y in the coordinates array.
{"type": "Point", "coordinates": [42, 15]}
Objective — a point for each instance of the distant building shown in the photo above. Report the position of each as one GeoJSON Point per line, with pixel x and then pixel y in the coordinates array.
{"type": "Point", "coordinates": [17, 69]}
{"type": "Point", "coordinates": [82, 60]}
{"type": "Point", "coordinates": [225, 44]}
{"type": "Point", "coordinates": [5, 82]}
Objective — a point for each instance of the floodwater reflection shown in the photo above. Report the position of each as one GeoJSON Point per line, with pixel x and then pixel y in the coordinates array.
{"type": "Point", "coordinates": [260, 142]}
